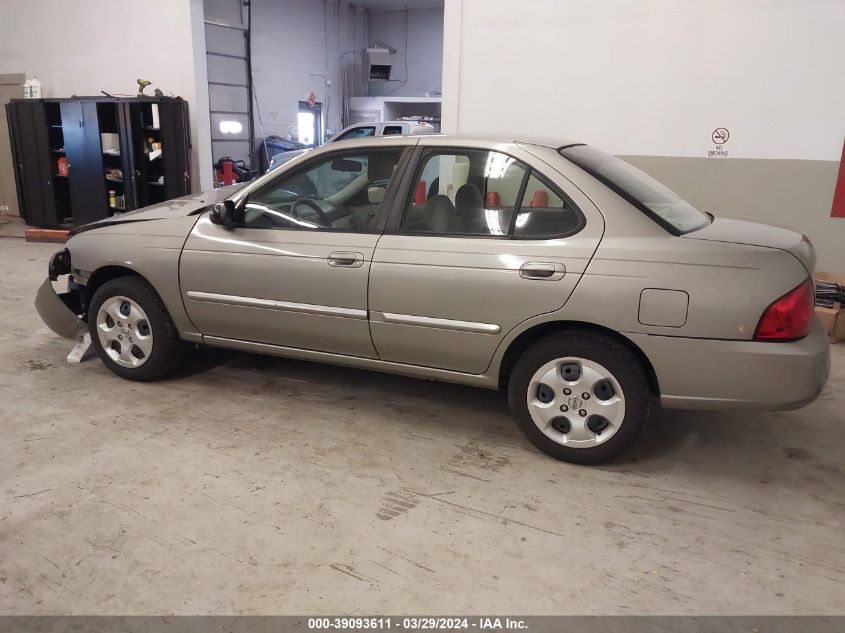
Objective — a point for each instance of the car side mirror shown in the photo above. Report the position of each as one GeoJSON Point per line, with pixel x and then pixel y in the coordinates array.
{"type": "Point", "coordinates": [223, 214]}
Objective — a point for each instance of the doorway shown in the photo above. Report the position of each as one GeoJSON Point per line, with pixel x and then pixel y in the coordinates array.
{"type": "Point", "coordinates": [11, 87]}
{"type": "Point", "coordinates": [309, 123]}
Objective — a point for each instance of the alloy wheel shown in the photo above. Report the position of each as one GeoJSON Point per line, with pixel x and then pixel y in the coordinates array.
{"type": "Point", "coordinates": [124, 331]}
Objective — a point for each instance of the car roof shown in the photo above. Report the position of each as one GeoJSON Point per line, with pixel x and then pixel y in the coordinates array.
{"type": "Point", "coordinates": [464, 139]}
{"type": "Point", "coordinates": [408, 121]}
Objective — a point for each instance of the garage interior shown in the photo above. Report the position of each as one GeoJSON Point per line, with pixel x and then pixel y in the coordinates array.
{"type": "Point", "coordinates": [252, 485]}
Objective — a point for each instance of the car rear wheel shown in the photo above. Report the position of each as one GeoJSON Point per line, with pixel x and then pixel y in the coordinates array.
{"type": "Point", "coordinates": [132, 331]}
{"type": "Point", "coordinates": [579, 397]}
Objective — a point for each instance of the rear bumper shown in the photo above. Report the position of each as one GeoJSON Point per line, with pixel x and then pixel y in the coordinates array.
{"type": "Point", "coordinates": [59, 311]}
{"type": "Point", "coordinates": [714, 374]}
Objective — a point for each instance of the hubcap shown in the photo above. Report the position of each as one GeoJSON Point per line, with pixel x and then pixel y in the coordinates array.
{"type": "Point", "coordinates": [576, 402]}
{"type": "Point", "coordinates": [124, 331]}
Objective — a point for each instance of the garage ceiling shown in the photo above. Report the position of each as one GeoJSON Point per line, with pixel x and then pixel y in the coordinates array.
{"type": "Point", "coordinates": [397, 5]}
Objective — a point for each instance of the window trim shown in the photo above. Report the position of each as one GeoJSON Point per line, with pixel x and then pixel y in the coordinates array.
{"type": "Point", "coordinates": [414, 171]}
{"type": "Point", "coordinates": [383, 209]}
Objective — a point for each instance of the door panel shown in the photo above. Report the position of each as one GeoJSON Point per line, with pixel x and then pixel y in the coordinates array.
{"type": "Point", "coordinates": [84, 155]}
{"type": "Point", "coordinates": [318, 306]}
{"type": "Point", "coordinates": [296, 269]}
{"type": "Point", "coordinates": [469, 280]}
{"type": "Point", "coordinates": [27, 126]}
{"type": "Point", "coordinates": [471, 291]}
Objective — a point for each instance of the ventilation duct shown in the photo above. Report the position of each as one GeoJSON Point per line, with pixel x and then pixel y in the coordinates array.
{"type": "Point", "coordinates": [380, 62]}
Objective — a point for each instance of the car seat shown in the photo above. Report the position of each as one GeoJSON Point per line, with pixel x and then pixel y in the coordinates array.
{"type": "Point", "coordinates": [440, 215]}
{"type": "Point", "coordinates": [469, 206]}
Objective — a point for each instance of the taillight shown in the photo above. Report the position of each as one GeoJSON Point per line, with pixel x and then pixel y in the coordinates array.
{"type": "Point", "coordinates": [788, 318]}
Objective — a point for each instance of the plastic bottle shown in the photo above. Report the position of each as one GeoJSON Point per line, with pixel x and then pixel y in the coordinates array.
{"type": "Point", "coordinates": [32, 89]}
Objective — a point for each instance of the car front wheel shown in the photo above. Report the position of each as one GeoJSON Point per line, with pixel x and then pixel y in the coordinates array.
{"type": "Point", "coordinates": [132, 331]}
{"type": "Point", "coordinates": [579, 397]}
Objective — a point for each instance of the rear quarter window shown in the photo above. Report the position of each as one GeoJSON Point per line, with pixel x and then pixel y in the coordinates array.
{"type": "Point", "coordinates": [545, 212]}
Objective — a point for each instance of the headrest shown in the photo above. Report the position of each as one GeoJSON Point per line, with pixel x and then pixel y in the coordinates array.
{"type": "Point", "coordinates": [468, 199]}
{"type": "Point", "coordinates": [440, 216]}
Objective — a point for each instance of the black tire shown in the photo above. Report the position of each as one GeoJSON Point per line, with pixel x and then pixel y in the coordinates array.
{"type": "Point", "coordinates": [168, 347]}
{"type": "Point", "coordinates": [604, 350]}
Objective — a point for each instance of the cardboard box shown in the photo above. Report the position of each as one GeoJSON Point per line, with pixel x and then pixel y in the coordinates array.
{"type": "Point", "coordinates": [833, 319]}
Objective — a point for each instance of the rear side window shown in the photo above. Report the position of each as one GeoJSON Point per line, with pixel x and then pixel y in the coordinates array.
{"type": "Point", "coordinates": [391, 130]}
{"type": "Point", "coordinates": [480, 193]}
{"type": "Point", "coordinates": [464, 192]}
{"type": "Point", "coordinates": [656, 200]}
{"type": "Point", "coordinates": [544, 212]}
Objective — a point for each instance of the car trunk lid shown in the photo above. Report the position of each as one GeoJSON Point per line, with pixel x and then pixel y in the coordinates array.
{"type": "Point", "coordinates": [755, 234]}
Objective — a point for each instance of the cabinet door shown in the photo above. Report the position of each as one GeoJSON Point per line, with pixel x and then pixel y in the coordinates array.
{"type": "Point", "coordinates": [27, 128]}
{"type": "Point", "coordinates": [131, 171]}
{"type": "Point", "coordinates": [85, 161]}
{"type": "Point", "coordinates": [175, 144]}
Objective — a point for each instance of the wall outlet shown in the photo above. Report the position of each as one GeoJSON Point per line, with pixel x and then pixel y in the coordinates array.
{"type": "Point", "coordinates": [274, 117]}
{"type": "Point", "coordinates": [4, 207]}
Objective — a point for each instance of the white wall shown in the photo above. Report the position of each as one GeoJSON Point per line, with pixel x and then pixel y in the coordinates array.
{"type": "Point", "coordinates": [82, 48]}
{"type": "Point", "coordinates": [296, 46]}
{"type": "Point", "coordinates": [424, 51]}
{"type": "Point", "coordinates": [653, 77]}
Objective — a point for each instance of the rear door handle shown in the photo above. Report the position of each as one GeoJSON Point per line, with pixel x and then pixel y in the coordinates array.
{"type": "Point", "coordinates": [543, 271]}
{"type": "Point", "coordinates": [346, 259]}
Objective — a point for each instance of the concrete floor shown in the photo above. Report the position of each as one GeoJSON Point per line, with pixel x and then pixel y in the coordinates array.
{"type": "Point", "coordinates": [260, 485]}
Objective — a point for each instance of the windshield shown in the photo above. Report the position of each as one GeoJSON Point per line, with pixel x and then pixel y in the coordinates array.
{"type": "Point", "coordinates": [658, 201]}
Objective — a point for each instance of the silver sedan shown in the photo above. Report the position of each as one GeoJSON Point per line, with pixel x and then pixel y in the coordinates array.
{"type": "Point", "coordinates": [586, 289]}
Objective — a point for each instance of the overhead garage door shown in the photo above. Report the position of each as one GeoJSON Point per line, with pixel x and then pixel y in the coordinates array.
{"type": "Point", "coordinates": [229, 85]}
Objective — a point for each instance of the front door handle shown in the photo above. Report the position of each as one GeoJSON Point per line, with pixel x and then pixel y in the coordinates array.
{"type": "Point", "coordinates": [346, 259]}
{"type": "Point", "coordinates": [542, 271]}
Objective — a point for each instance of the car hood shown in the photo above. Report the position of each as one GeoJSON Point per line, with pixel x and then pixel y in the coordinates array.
{"type": "Point", "coordinates": [754, 234]}
{"type": "Point", "coordinates": [178, 207]}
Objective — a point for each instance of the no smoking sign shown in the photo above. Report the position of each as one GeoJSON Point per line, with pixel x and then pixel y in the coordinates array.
{"type": "Point", "coordinates": [719, 137]}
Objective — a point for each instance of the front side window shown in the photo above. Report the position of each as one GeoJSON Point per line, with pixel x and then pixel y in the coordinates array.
{"type": "Point", "coordinates": [464, 192]}
{"type": "Point", "coordinates": [358, 132]}
{"type": "Point", "coordinates": [339, 192]}
{"type": "Point", "coordinates": [655, 199]}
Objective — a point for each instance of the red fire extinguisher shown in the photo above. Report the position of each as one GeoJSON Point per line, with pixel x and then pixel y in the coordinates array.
{"type": "Point", "coordinates": [227, 174]}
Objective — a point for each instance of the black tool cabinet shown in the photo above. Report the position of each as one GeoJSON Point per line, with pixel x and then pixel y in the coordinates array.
{"type": "Point", "coordinates": [47, 133]}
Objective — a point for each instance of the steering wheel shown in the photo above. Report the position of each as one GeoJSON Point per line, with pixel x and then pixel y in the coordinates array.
{"type": "Point", "coordinates": [322, 219]}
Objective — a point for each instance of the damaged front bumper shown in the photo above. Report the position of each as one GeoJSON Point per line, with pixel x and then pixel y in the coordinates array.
{"type": "Point", "coordinates": [61, 312]}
